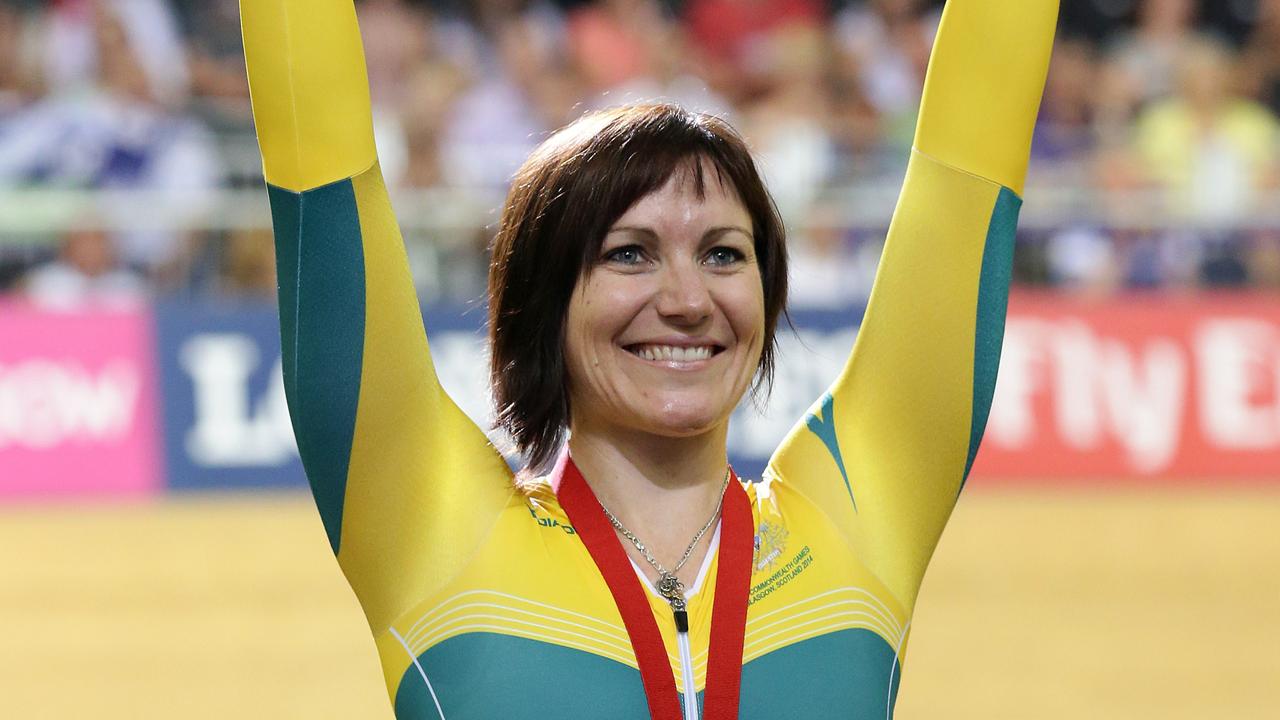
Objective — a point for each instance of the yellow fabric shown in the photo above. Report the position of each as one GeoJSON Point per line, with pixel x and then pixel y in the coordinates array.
{"type": "Point", "coordinates": [311, 109]}
{"type": "Point", "coordinates": [310, 90]}
{"type": "Point", "coordinates": [543, 596]}
{"type": "Point", "coordinates": [416, 455]}
{"type": "Point", "coordinates": [983, 90]}
{"type": "Point", "coordinates": [445, 553]}
{"type": "Point", "coordinates": [903, 402]}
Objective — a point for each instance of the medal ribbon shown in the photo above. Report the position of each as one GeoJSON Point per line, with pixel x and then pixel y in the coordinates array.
{"type": "Point", "coordinates": [728, 611]}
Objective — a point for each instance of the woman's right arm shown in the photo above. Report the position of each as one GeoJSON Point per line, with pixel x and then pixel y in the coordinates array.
{"type": "Point", "coordinates": [406, 484]}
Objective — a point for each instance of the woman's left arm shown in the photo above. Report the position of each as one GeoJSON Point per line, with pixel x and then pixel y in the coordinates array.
{"type": "Point", "coordinates": [886, 452]}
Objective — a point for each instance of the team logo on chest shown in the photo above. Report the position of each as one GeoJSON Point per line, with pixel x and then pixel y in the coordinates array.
{"type": "Point", "coordinates": [771, 540]}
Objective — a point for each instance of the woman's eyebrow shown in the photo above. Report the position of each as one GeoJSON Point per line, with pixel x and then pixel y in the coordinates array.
{"type": "Point", "coordinates": [716, 232]}
{"type": "Point", "coordinates": [637, 229]}
{"type": "Point", "coordinates": [649, 232]}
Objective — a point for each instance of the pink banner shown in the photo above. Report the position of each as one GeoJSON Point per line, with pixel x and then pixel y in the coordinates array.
{"type": "Point", "coordinates": [77, 404]}
{"type": "Point", "coordinates": [1143, 387]}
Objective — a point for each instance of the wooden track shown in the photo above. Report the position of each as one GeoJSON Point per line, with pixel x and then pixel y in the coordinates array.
{"type": "Point", "coordinates": [1039, 605]}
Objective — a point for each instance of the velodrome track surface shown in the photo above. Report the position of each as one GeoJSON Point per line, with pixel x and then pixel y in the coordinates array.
{"type": "Point", "coordinates": [1040, 604]}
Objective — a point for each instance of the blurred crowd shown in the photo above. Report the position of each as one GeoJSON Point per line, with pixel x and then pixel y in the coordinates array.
{"type": "Point", "coordinates": [1154, 165]}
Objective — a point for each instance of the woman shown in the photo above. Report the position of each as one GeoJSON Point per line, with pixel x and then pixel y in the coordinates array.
{"type": "Point", "coordinates": [637, 278]}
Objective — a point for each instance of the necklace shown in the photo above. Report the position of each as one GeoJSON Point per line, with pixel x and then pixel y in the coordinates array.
{"type": "Point", "coordinates": [668, 586]}
{"type": "Point", "coordinates": [728, 612]}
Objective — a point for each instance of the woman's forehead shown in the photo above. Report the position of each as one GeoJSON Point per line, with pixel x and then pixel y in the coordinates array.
{"type": "Point", "coordinates": [695, 189]}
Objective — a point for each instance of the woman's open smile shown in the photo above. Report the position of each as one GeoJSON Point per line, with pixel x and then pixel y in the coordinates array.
{"type": "Point", "coordinates": [677, 356]}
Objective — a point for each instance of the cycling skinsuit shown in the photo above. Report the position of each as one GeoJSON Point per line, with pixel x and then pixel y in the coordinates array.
{"type": "Point", "coordinates": [482, 599]}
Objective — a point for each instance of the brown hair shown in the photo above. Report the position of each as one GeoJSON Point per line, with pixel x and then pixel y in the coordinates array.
{"type": "Point", "coordinates": [562, 203]}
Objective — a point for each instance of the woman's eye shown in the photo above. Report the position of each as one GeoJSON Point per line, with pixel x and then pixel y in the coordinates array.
{"type": "Point", "coordinates": [626, 255]}
{"type": "Point", "coordinates": [721, 256]}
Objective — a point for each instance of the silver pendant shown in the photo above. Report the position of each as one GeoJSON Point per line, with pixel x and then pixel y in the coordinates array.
{"type": "Point", "coordinates": [671, 589]}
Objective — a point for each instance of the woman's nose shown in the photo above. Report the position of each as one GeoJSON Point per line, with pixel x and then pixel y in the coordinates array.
{"type": "Point", "coordinates": [684, 295]}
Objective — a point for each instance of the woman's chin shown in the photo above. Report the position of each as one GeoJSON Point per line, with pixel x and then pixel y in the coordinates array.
{"type": "Point", "coordinates": [686, 422]}
{"type": "Point", "coordinates": [664, 415]}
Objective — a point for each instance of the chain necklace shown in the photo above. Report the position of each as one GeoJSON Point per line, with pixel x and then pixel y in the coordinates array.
{"type": "Point", "coordinates": [668, 586]}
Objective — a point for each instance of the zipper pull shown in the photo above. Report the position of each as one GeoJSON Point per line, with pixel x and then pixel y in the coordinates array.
{"type": "Point", "coordinates": [673, 590]}
{"type": "Point", "coordinates": [682, 620]}
{"type": "Point", "coordinates": [676, 598]}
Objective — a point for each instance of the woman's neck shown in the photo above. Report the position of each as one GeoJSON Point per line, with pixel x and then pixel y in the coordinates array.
{"type": "Point", "coordinates": [662, 489]}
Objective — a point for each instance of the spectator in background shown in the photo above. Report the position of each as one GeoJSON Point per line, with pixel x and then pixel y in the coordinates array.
{"type": "Point", "coordinates": [1084, 259]}
{"type": "Point", "coordinates": [395, 47]}
{"type": "Point", "coordinates": [888, 41]}
{"type": "Point", "coordinates": [854, 123]}
{"type": "Point", "coordinates": [397, 43]}
{"type": "Point", "coordinates": [86, 273]}
{"type": "Point", "coordinates": [1260, 70]}
{"type": "Point", "coordinates": [1211, 149]}
{"type": "Point", "coordinates": [430, 90]}
{"type": "Point", "coordinates": [114, 133]}
{"type": "Point", "coordinates": [1150, 56]}
{"type": "Point", "coordinates": [249, 265]}
{"type": "Point", "coordinates": [1214, 153]}
{"type": "Point", "coordinates": [74, 54]}
{"type": "Point", "coordinates": [1115, 104]}
{"type": "Point", "coordinates": [216, 61]}
{"type": "Point", "coordinates": [1263, 260]}
{"type": "Point", "coordinates": [731, 38]}
{"type": "Point", "coordinates": [18, 85]}
{"type": "Point", "coordinates": [828, 270]}
{"type": "Point", "coordinates": [633, 51]}
{"type": "Point", "coordinates": [619, 44]}
{"type": "Point", "coordinates": [1093, 20]}
{"type": "Point", "coordinates": [521, 91]}
{"type": "Point", "coordinates": [787, 121]}
{"type": "Point", "coordinates": [1065, 130]}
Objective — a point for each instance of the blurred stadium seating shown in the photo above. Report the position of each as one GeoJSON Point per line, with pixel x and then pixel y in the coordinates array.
{"type": "Point", "coordinates": [1115, 558]}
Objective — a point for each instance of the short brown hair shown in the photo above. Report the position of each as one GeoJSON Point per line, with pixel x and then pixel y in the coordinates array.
{"type": "Point", "coordinates": [562, 203]}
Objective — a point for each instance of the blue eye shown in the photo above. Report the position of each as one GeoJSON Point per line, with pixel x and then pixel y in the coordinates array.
{"type": "Point", "coordinates": [723, 256]}
{"type": "Point", "coordinates": [625, 255]}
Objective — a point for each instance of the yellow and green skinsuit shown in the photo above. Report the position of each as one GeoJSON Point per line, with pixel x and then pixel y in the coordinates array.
{"type": "Point", "coordinates": [482, 600]}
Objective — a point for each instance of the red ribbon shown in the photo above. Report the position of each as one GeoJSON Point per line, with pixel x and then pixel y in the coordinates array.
{"type": "Point", "coordinates": [728, 613]}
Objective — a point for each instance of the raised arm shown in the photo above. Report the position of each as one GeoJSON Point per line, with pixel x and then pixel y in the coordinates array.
{"type": "Point", "coordinates": [405, 483]}
{"type": "Point", "coordinates": [888, 450]}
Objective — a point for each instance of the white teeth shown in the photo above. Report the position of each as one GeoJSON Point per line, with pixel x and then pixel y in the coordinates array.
{"type": "Point", "coordinates": [673, 353]}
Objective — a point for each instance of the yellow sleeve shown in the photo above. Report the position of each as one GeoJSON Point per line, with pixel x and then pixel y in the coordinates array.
{"type": "Point", "coordinates": [406, 485]}
{"type": "Point", "coordinates": [887, 450]}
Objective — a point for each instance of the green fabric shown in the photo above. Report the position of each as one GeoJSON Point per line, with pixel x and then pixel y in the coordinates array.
{"type": "Point", "coordinates": [487, 675]}
{"type": "Point", "coordinates": [853, 670]}
{"type": "Point", "coordinates": [482, 676]}
{"type": "Point", "coordinates": [322, 332]}
{"type": "Point", "coordinates": [824, 426]}
{"type": "Point", "coordinates": [993, 303]}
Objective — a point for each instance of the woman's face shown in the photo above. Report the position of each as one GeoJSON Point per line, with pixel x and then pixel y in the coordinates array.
{"type": "Point", "coordinates": [664, 332]}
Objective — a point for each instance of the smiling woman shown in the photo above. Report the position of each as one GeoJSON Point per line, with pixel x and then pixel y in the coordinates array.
{"type": "Point", "coordinates": [636, 284]}
{"type": "Point", "coordinates": [619, 234]}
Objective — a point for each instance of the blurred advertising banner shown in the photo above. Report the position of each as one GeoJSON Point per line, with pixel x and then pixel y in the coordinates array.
{"type": "Point", "coordinates": [226, 420]}
{"type": "Point", "coordinates": [1152, 387]}
{"type": "Point", "coordinates": [1134, 389]}
{"type": "Point", "coordinates": [77, 404]}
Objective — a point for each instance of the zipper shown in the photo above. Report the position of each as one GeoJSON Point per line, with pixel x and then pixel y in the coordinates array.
{"type": "Point", "coordinates": [670, 589]}
{"type": "Point", "coordinates": [686, 667]}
